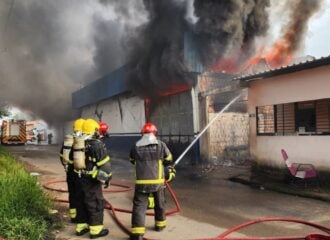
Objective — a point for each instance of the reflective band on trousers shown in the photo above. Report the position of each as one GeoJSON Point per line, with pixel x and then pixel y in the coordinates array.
{"type": "Point", "coordinates": [138, 230]}
{"type": "Point", "coordinates": [150, 181]}
{"type": "Point", "coordinates": [102, 162]}
{"type": "Point", "coordinates": [161, 223]}
{"type": "Point", "coordinates": [73, 212]}
{"type": "Point", "coordinates": [81, 226]}
{"type": "Point", "coordinates": [94, 230]}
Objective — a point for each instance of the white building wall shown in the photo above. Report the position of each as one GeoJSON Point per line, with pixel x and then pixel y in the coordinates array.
{"type": "Point", "coordinates": [310, 84]}
{"type": "Point", "coordinates": [124, 113]}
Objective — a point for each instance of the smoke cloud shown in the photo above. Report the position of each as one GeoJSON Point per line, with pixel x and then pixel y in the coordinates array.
{"type": "Point", "coordinates": [156, 57]}
{"type": "Point", "coordinates": [48, 49]}
{"type": "Point", "coordinates": [295, 30]}
{"type": "Point", "coordinates": [225, 27]}
{"type": "Point", "coordinates": [297, 14]}
{"type": "Point", "coordinates": [220, 29]}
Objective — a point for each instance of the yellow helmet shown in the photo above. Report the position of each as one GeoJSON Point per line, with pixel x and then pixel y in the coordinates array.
{"type": "Point", "coordinates": [90, 126]}
{"type": "Point", "coordinates": [77, 125]}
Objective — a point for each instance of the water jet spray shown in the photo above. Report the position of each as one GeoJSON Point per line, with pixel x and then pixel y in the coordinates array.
{"type": "Point", "coordinates": [206, 127]}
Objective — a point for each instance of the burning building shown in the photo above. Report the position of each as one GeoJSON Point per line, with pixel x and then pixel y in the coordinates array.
{"type": "Point", "coordinates": [180, 112]}
{"type": "Point", "coordinates": [178, 73]}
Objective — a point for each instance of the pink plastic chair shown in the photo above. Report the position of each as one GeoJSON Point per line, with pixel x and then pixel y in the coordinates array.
{"type": "Point", "coordinates": [302, 171]}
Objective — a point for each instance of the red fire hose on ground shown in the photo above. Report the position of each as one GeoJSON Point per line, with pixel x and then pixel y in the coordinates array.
{"type": "Point", "coordinates": [223, 236]}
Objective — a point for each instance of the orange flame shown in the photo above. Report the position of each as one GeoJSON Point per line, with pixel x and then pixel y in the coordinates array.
{"type": "Point", "coordinates": [280, 53]}
{"type": "Point", "coordinates": [227, 65]}
{"type": "Point", "coordinates": [175, 89]}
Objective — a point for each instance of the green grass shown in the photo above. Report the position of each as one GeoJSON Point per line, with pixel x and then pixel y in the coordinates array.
{"type": "Point", "coordinates": [23, 204]}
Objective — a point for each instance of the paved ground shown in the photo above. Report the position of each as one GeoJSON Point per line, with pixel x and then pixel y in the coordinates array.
{"type": "Point", "coordinates": [210, 202]}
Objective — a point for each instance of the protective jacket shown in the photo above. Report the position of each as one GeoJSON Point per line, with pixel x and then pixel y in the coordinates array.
{"type": "Point", "coordinates": [150, 155]}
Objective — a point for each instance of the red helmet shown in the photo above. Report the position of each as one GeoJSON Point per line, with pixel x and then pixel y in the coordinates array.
{"type": "Point", "coordinates": [103, 128]}
{"type": "Point", "coordinates": [149, 128]}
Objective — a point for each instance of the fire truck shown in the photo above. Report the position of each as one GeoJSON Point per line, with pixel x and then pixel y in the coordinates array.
{"type": "Point", "coordinates": [13, 132]}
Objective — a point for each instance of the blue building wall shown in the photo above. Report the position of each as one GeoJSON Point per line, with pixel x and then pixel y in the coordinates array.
{"type": "Point", "coordinates": [101, 89]}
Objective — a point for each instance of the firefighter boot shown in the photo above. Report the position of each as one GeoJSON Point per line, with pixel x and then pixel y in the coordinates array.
{"type": "Point", "coordinates": [160, 225]}
{"type": "Point", "coordinates": [95, 233]}
{"type": "Point", "coordinates": [136, 237]}
{"type": "Point", "coordinates": [159, 229]}
{"type": "Point", "coordinates": [81, 229]}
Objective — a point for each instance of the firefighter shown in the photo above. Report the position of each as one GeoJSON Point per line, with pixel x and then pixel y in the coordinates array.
{"type": "Point", "coordinates": [92, 167]}
{"type": "Point", "coordinates": [150, 156]}
{"type": "Point", "coordinates": [104, 130]}
{"type": "Point", "coordinates": [104, 137]}
{"type": "Point", "coordinates": [66, 156]}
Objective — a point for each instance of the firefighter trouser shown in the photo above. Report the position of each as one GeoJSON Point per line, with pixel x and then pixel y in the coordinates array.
{"type": "Point", "coordinates": [70, 179]}
{"type": "Point", "coordinates": [91, 203]}
{"type": "Point", "coordinates": [140, 205]}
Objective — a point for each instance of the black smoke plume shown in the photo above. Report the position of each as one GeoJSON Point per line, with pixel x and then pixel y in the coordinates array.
{"type": "Point", "coordinates": [48, 49]}
{"type": "Point", "coordinates": [156, 57]}
{"type": "Point", "coordinates": [227, 27]}
{"type": "Point", "coordinates": [223, 27]}
{"type": "Point", "coordinates": [296, 28]}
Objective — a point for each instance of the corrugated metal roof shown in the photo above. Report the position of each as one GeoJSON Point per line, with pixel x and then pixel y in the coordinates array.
{"type": "Point", "coordinates": [101, 89]}
{"type": "Point", "coordinates": [294, 67]}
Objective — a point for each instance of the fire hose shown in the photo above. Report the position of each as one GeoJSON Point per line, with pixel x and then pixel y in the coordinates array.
{"type": "Point", "coordinates": [223, 236]}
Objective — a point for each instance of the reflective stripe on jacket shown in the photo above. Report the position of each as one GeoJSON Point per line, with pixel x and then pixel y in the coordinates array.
{"type": "Point", "coordinates": [149, 162]}
{"type": "Point", "coordinates": [96, 157]}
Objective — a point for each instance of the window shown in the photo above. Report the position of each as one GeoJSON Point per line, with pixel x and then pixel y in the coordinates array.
{"type": "Point", "coordinates": [265, 120]}
{"type": "Point", "coordinates": [305, 117]}
{"type": "Point", "coordinates": [300, 118]}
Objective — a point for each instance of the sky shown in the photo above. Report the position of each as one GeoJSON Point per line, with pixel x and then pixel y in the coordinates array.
{"type": "Point", "coordinates": [317, 41]}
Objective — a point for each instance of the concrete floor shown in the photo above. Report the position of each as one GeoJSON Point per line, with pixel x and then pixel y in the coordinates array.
{"type": "Point", "coordinates": [210, 202]}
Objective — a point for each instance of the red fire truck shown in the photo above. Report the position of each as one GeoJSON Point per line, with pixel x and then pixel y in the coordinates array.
{"type": "Point", "coordinates": [13, 132]}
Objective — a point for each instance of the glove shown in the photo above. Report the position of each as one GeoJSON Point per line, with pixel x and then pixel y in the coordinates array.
{"type": "Point", "coordinates": [169, 173]}
{"type": "Point", "coordinates": [107, 183]}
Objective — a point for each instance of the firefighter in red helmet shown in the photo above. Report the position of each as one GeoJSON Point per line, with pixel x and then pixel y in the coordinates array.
{"type": "Point", "coordinates": [104, 137]}
{"type": "Point", "coordinates": [150, 156]}
{"type": "Point", "coordinates": [104, 129]}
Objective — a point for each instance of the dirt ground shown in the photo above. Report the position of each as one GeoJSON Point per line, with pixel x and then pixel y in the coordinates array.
{"type": "Point", "coordinates": [210, 202]}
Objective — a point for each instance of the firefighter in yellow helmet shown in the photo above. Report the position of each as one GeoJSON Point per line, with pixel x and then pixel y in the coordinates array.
{"type": "Point", "coordinates": [92, 168]}
{"type": "Point", "coordinates": [66, 156]}
{"type": "Point", "coordinates": [150, 157]}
